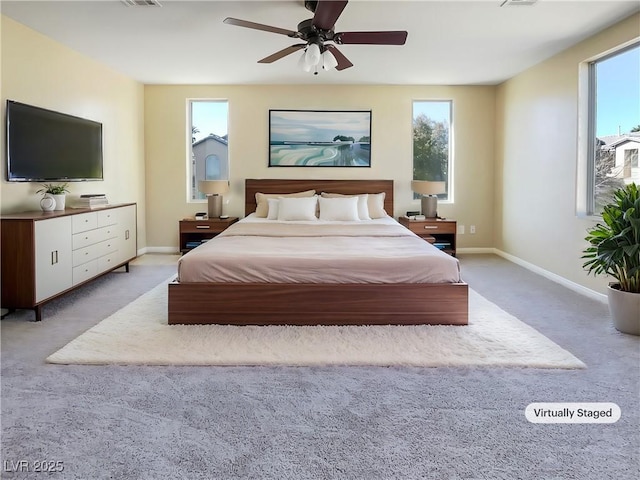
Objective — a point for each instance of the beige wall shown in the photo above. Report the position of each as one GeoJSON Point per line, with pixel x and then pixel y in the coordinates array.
{"type": "Point", "coordinates": [166, 137]}
{"type": "Point", "coordinates": [536, 160]}
{"type": "Point", "coordinates": [41, 72]}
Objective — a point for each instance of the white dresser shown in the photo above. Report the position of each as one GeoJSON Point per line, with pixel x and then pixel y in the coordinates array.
{"type": "Point", "coordinates": [45, 254]}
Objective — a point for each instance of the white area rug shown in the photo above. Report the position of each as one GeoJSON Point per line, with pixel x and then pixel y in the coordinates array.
{"type": "Point", "coordinates": [138, 334]}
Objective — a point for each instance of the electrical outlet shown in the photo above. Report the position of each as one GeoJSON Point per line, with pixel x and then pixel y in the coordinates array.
{"type": "Point", "coordinates": [460, 229]}
{"type": "Point", "coordinates": [472, 229]}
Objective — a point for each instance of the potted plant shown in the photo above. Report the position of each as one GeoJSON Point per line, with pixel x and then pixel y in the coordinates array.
{"type": "Point", "coordinates": [614, 249]}
{"type": "Point", "coordinates": [57, 192]}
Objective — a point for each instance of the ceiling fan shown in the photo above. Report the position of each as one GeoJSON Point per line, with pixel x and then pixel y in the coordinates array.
{"type": "Point", "coordinates": [320, 39]}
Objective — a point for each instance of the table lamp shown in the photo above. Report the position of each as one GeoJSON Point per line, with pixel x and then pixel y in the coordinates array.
{"type": "Point", "coordinates": [428, 190]}
{"type": "Point", "coordinates": [214, 189]}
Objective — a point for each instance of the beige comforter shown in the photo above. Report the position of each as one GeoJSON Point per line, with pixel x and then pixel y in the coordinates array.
{"type": "Point", "coordinates": [323, 253]}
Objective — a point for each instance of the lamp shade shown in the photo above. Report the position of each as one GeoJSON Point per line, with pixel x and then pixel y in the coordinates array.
{"type": "Point", "coordinates": [213, 187]}
{"type": "Point", "coordinates": [425, 187]}
{"type": "Point", "coordinates": [214, 190]}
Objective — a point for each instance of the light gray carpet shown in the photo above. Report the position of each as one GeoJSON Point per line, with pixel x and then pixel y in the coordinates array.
{"type": "Point", "coordinates": [133, 422]}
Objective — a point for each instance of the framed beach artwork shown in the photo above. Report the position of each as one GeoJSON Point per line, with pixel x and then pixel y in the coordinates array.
{"type": "Point", "coordinates": [319, 138]}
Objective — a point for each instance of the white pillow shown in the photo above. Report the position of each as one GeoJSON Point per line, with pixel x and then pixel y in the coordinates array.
{"type": "Point", "coordinates": [262, 206]}
{"type": "Point", "coordinates": [273, 208]}
{"type": "Point", "coordinates": [343, 209]}
{"type": "Point", "coordinates": [363, 207]}
{"type": "Point", "coordinates": [291, 208]}
{"type": "Point", "coordinates": [376, 205]}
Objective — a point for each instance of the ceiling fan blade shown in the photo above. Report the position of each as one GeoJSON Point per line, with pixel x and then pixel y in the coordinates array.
{"type": "Point", "coordinates": [283, 53]}
{"type": "Point", "coordinates": [327, 12]}
{"type": "Point", "coordinates": [343, 62]}
{"type": "Point", "coordinates": [259, 26]}
{"type": "Point", "coordinates": [371, 38]}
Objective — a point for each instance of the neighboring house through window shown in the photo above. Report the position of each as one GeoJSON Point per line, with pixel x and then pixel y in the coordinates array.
{"type": "Point", "coordinates": [208, 154]}
{"type": "Point", "coordinates": [432, 135]}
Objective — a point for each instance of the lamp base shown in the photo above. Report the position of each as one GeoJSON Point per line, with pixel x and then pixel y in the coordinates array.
{"type": "Point", "coordinates": [215, 205]}
{"type": "Point", "coordinates": [429, 205]}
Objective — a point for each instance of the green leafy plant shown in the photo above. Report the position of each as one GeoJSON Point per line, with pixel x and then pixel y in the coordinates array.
{"type": "Point", "coordinates": [614, 245]}
{"type": "Point", "coordinates": [53, 189]}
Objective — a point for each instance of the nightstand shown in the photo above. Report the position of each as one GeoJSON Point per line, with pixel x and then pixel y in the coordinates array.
{"type": "Point", "coordinates": [194, 232]}
{"type": "Point", "coordinates": [440, 233]}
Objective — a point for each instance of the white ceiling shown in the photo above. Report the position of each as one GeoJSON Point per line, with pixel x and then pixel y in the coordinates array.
{"type": "Point", "coordinates": [449, 43]}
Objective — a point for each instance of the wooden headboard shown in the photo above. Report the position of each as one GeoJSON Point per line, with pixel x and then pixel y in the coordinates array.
{"type": "Point", "coordinates": [346, 187]}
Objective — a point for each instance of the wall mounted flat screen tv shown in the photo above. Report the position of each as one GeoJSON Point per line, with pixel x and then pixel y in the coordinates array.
{"type": "Point", "coordinates": [43, 145]}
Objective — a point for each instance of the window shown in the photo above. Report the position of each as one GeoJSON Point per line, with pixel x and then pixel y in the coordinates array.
{"type": "Point", "coordinates": [630, 161]}
{"type": "Point", "coordinates": [613, 125]}
{"type": "Point", "coordinates": [208, 155]}
{"type": "Point", "coordinates": [432, 143]}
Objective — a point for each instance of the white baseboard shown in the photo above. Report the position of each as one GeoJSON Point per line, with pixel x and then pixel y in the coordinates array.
{"type": "Point", "coordinates": [476, 250]}
{"type": "Point", "coordinates": [174, 250]}
{"type": "Point", "coordinates": [576, 287]}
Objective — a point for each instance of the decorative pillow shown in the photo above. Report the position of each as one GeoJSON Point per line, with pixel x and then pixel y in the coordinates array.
{"type": "Point", "coordinates": [273, 208]}
{"type": "Point", "coordinates": [376, 205]}
{"type": "Point", "coordinates": [363, 207]}
{"type": "Point", "coordinates": [344, 209]}
{"type": "Point", "coordinates": [297, 208]}
{"type": "Point", "coordinates": [262, 209]}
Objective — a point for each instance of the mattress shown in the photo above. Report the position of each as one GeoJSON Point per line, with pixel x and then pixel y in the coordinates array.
{"type": "Point", "coordinates": [269, 251]}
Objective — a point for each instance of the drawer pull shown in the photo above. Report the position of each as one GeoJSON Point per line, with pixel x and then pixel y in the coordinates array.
{"type": "Point", "coordinates": [431, 227]}
{"type": "Point", "coordinates": [203, 226]}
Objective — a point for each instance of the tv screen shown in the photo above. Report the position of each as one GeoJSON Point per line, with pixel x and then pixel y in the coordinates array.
{"type": "Point", "coordinates": [43, 145]}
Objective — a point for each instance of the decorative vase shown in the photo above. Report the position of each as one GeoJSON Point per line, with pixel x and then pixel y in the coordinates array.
{"type": "Point", "coordinates": [625, 309]}
{"type": "Point", "coordinates": [48, 203]}
{"type": "Point", "coordinates": [60, 201]}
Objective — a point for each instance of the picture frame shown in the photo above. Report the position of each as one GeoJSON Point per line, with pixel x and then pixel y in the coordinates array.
{"type": "Point", "coordinates": [320, 138]}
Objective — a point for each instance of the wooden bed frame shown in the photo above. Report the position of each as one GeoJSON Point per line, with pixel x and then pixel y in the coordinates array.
{"type": "Point", "coordinates": [318, 304]}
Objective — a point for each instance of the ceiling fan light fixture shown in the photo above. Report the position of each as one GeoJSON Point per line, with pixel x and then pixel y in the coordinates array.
{"type": "Point", "coordinates": [312, 56]}
{"type": "Point", "coordinates": [314, 32]}
{"type": "Point", "coordinates": [328, 60]}
{"type": "Point", "coordinates": [302, 63]}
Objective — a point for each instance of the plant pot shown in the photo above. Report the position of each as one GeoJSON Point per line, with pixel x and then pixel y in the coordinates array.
{"type": "Point", "coordinates": [625, 309]}
{"type": "Point", "coordinates": [60, 201]}
{"type": "Point", "coordinates": [47, 203]}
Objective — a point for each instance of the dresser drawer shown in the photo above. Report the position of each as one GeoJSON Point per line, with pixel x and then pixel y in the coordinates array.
{"type": "Point", "coordinates": [428, 228]}
{"type": "Point", "coordinates": [81, 240]}
{"type": "Point", "coordinates": [91, 252]}
{"type": "Point", "coordinates": [84, 222]}
{"type": "Point", "coordinates": [202, 227]}
{"type": "Point", "coordinates": [107, 261]}
{"type": "Point", "coordinates": [107, 217]}
{"type": "Point", "coordinates": [85, 271]}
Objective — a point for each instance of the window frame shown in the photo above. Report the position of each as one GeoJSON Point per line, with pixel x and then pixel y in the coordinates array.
{"type": "Point", "coordinates": [587, 125]}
